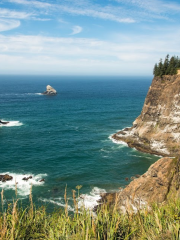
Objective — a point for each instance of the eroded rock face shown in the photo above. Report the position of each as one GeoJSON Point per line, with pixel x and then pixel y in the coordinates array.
{"type": "Point", "coordinates": [50, 91]}
{"type": "Point", "coordinates": [161, 179]}
{"type": "Point", "coordinates": [157, 129]}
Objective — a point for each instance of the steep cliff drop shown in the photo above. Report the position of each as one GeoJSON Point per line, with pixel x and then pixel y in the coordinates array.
{"type": "Point", "coordinates": [160, 183]}
{"type": "Point", "coordinates": [157, 129]}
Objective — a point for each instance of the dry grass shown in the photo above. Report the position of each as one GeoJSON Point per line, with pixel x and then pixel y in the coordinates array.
{"type": "Point", "coordinates": [162, 222]}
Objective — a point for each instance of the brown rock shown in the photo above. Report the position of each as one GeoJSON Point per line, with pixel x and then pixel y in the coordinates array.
{"type": "Point", "coordinates": [156, 130]}
{"type": "Point", "coordinates": [42, 180]}
{"type": "Point", "coordinates": [5, 178]}
{"type": "Point", "coordinates": [27, 178]}
{"type": "Point", "coordinates": [160, 181]}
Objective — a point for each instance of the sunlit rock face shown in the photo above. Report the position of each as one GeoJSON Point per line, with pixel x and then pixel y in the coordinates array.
{"type": "Point", "coordinates": [49, 91]}
{"type": "Point", "coordinates": [160, 183]}
{"type": "Point", "coordinates": [157, 129]}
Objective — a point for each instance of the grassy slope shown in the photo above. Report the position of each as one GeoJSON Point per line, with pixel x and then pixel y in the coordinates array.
{"type": "Point", "coordinates": [161, 222]}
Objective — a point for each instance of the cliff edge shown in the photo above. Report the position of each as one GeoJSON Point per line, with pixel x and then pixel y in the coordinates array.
{"type": "Point", "coordinates": [157, 129]}
{"type": "Point", "coordinates": [160, 183]}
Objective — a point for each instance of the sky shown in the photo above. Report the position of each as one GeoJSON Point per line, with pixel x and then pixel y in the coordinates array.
{"type": "Point", "coordinates": [87, 37]}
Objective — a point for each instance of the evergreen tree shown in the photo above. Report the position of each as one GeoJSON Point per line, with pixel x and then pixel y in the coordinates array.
{"type": "Point", "coordinates": [160, 66]}
{"type": "Point", "coordinates": [166, 64]}
{"type": "Point", "coordinates": [155, 70]}
{"type": "Point", "coordinates": [168, 67]}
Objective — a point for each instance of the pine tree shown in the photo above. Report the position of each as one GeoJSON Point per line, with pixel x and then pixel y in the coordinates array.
{"type": "Point", "coordinates": [160, 66]}
{"type": "Point", "coordinates": [155, 70]}
{"type": "Point", "coordinates": [165, 65]}
{"type": "Point", "coordinates": [168, 67]}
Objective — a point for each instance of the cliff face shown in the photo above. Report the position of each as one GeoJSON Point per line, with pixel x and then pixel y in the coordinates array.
{"type": "Point", "coordinates": [160, 182]}
{"type": "Point", "coordinates": [157, 129]}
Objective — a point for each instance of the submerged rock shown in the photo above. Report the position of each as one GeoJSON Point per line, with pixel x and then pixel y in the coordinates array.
{"type": "Point", "coordinates": [157, 129]}
{"type": "Point", "coordinates": [49, 91]}
{"type": "Point", "coordinates": [6, 177]}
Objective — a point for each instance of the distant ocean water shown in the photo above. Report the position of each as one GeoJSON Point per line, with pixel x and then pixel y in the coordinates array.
{"type": "Point", "coordinates": [65, 139]}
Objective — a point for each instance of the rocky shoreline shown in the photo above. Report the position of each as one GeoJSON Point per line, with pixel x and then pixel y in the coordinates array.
{"type": "Point", "coordinates": [159, 183]}
{"type": "Point", "coordinates": [7, 177]}
{"type": "Point", "coordinates": [155, 131]}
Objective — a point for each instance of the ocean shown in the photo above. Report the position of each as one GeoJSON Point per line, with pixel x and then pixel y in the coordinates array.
{"type": "Point", "coordinates": [65, 139]}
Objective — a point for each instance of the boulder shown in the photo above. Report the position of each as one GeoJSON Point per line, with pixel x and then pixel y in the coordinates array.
{"type": "Point", "coordinates": [49, 91]}
{"type": "Point", "coordinates": [27, 178]}
{"type": "Point", "coordinates": [6, 177]}
{"type": "Point", "coordinates": [42, 180]}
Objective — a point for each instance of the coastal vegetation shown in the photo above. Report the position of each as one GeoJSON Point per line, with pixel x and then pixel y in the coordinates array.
{"type": "Point", "coordinates": [167, 67]}
{"type": "Point", "coordinates": [159, 222]}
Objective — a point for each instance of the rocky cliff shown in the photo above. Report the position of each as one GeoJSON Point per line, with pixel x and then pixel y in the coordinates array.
{"type": "Point", "coordinates": [157, 129]}
{"type": "Point", "coordinates": [160, 182]}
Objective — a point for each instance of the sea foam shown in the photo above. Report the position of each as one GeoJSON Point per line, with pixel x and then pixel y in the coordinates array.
{"type": "Point", "coordinates": [89, 201]}
{"type": "Point", "coordinates": [11, 124]}
{"type": "Point", "coordinates": [117, 141]}
{"type": "Point", "coordinates": [23, 187]}
{"type": "Point", "coordinates": [58, 202]}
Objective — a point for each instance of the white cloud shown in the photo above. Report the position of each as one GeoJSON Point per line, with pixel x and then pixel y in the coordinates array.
{"type": "Point", "coordinates": [6, 13]}
{"type": "Point", "coordinates": [31, 2]}
{"type": "Point", "coordinates": [156, 6]}
{"type": "Point", "coordinates": [128, 11]}
{"type": "Point", "coordinates": [76, 30]}
{"type": "Point", "coordinates": [38, 54]}
{"type": "Point", "coordinates": [8, 24]}
{"type": "Point", "coordinates": [83, 9]}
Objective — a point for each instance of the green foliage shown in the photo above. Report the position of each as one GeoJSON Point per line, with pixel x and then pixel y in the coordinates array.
{"type": "Point", "coordinates": [168, 67]}
{"type": "Point", "coordinates": [158, 222]}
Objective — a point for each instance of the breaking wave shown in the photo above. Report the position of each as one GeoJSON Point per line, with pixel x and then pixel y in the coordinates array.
{"type": "Point", "coordinates": [11, 124]}
{"type": "Point", "coordinates": [23, 187]}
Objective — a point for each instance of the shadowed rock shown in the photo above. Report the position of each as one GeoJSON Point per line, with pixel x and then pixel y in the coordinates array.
{"type": "Point", "coordinates": [2, 122]}
{"type": "Point", "coordinates": [6, 177]}
{"type": "Point", "coordinates": [27, 178]}
{"type": "Point", "coordinates": [42, 180]}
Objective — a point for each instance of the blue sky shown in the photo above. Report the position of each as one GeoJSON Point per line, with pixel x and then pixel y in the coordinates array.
{"type": "Point", "coordinates": [87, 37]}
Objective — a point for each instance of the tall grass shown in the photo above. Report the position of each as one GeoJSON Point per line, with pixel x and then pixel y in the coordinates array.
{"type": "Point", "coordinates": [161, 222]}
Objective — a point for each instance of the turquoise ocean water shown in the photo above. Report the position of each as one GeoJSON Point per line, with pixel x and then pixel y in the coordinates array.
{"type": "Point", "coordinates": [65, 138]}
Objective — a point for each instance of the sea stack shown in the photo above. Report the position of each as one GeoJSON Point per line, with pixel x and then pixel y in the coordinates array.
{"type": "Point", "coordinates": [49, 91]}
{"type": "Point", "coordinates": [157, 129]}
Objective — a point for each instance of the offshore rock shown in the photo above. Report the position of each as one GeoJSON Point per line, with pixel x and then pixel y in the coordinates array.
{"type": "Point", "coordinates": [49, 91]}
{"type": "Point", "coordinates": [6, 177]}
{"type": "Point", "coordinates": [160, 181]}
{"type": "Point", "coordinates": [157, 129]}
{"type": "Point", "coordinates": [27, 178]}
